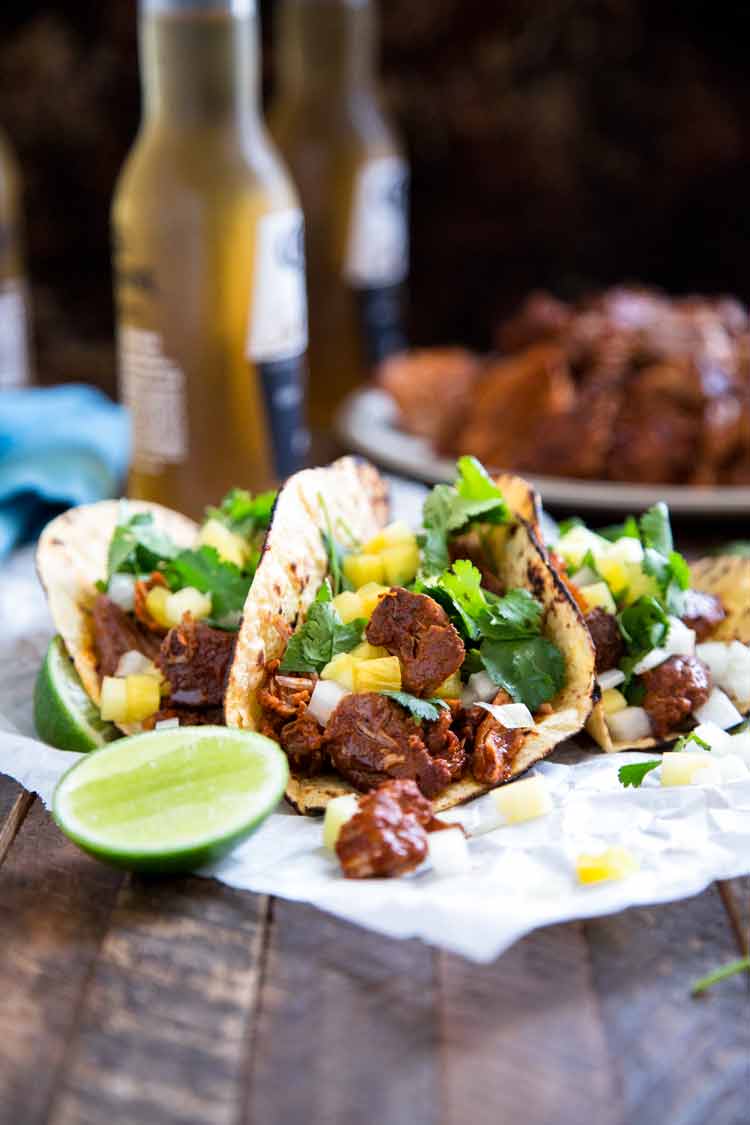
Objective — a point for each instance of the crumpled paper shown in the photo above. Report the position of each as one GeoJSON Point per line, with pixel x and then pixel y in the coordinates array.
{"type": "Point", "coordinates": [522, 876]}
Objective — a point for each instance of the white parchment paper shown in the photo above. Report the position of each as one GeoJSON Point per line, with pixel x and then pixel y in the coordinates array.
{"type": "Point", "coordinates": [522, 876]}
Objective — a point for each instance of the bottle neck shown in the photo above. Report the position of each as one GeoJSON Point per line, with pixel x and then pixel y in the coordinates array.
{"type": "Point", "coordinates": [200, 62]}
{"type": "Point", "coordinates": [326, 46]}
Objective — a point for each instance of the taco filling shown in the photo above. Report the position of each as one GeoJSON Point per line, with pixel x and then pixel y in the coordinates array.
{"type": "Point", "coordinates": [666, 657]}
{"type": "Point", "coordinates": [417, 660]}
{"type": "Point", "coordinates": [162, 621]}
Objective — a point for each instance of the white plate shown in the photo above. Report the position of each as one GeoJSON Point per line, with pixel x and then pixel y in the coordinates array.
{"type": "Point", "coordinates": [366, 422]}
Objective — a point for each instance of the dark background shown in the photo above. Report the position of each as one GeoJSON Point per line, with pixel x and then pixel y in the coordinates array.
{"type": "Point", "coordinates": [560, 143]}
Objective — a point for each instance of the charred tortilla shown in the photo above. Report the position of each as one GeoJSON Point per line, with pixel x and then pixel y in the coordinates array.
{"type": "Point", "coordinates": [727, 577]}
{"type": "Point", "coordinates": [294, 564]}
{"type": "Point", "coordinates": [72, 557]}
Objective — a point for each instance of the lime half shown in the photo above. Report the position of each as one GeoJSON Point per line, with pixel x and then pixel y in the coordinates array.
{"type": "Point", "coordinates": [64, 716]}
{"type": "Point", "coordinates": [171, 800]}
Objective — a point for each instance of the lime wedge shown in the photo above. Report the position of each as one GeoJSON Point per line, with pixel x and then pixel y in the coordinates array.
{"type": "Point", "coordinates": [171, 800]}
{"type": "Point", "coordinates": [64, 716]}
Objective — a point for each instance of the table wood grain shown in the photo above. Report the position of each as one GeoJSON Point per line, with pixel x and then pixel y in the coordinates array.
{"type": "Point", "coordinates": [125, 1001]}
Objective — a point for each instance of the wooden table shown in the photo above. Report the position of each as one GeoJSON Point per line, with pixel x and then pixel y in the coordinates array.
{"type": "Point", "coordinates": [124, 1002]}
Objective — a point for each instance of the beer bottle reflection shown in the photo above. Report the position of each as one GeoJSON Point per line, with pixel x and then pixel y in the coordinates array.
{"type": "Point", "coordinates": [209, 265]}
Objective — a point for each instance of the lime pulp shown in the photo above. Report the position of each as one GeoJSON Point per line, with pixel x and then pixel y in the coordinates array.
{"type": "Point", "coordinates": [171, 800]}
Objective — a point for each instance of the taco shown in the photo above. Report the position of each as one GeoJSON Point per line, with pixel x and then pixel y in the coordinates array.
{"type": "Point", "coordinates": [148, 603]}
{"type": "Point", "coordinates": [672, 651]}
{"type": "Point", "coordinates": [454, 657]}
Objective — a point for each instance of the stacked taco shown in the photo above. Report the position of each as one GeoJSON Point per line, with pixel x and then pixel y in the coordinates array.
{"type": "Point", "coordinates": [672, 645]}
{"type": "Point", "coordinates": [453, 657]}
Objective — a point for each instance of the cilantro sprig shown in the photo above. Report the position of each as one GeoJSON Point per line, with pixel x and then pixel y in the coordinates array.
{"type": "Point", "coordinates": [634, 774]}
{"type": "Point", "coordinates": [137, 545]}
{"type": "Point", "coordinates": [243, 513]}
{"type": "Point", "coordinates": [450, 508]}
{"type": "Point", "coordinates": [207, 572]}
{"type": "Point", "coordinates": [420, 709]}
{"type": "Point", "coordinates": [322, 636]}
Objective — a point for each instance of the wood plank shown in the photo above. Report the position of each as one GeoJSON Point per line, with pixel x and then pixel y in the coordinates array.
{"type": "Point", "coordinates": [523, 1038]}
{"type": "Point", "coordinates": [10, 791]}
{"type": "Point", "coordinates": [55, 905]}
{"type": "Point", "coordinates": [347, 1029]}
{"type": "Point", "coordinates": [167, 1013]}
{"type": "Point", "coordinates": [678, 1058]}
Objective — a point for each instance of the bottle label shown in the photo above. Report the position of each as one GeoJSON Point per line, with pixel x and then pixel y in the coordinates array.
{"type": "Point", "coordinates": [14, 352]}
{"type": "Point", "coordinates": [153, 389]}
{"type": "Point", "coordinates": [378, 244]}
{"type": "Point", "coordinates": [381, 322]}
{"type": "Point", "coordinates": [277, 334]}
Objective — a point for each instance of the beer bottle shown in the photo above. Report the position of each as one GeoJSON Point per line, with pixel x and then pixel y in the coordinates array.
{"type": "Point", "coordinates": [14, 345]}
{"type": "Point", "coordinates": [352, 179]}
{"type": "Point", "coordinates": [209, 266]}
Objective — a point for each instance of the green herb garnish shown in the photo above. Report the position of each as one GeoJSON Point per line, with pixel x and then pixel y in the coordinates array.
{"type": "Point", "coordinates": [450, 508]}
{"type": "Point", "coordinates": [723, 973]}
{"type": "Point", "coordinates": [207, 572]}
{"type": "Point", "coordinates": [428, 709]}
{"type": "Point", "coordinates": [635, 773]}
{"type": "Point", "coordinates": [242, 513]}
{"type": "Point", "coordinates": [322, 636]}
{"type": "Point", "coordinates": [137, 546]}
{"type": "Point", "coordinates": [531, 670]}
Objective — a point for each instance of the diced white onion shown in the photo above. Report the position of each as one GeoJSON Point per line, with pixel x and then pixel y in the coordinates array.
{"type": "Point", "coordinates": [736, 679]}
{"type": "Point", "coordinates": [134, 663]}
{"type": "Point", "coordinates": [718, 739]}
{"type": "Point", "coordinates": [512, 716]}
{"type": "Point", "coordinates": [626, 550]}
{"type": "Point", "coordinates": [121, 590]}
{"type": "Point", "coordinates": [679, 641]}
{"type": "Point", "coordinates": [714, 654]}
{"type": "Point", "coordinates": [651, 660]}
{"type": "Point", "coordinates": [629, 725]}
{"type": "Point", "coordinates": [448, 852]}
{"type": "Point", "coordinates": [167, 724]}
{"type": "Point", "coordinates": [585, 577]}
{"type": "Point", "coordinates": [718, 709]}
{"type": "Point", "coordinates": [479, 686]}
{"type": "Point", "coordinates": [732, 767]}
{"type": "Point", "coordinates": [612, 678]}
{"type": "Point", "coordinates": [327, 694]}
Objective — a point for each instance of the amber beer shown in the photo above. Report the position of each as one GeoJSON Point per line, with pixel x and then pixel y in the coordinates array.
{"type": "Point", "coordinates": [209, 265]}
{"type": "Point", "coordinates": [352, 179]}
{"type": "Point", "coordinates": [14, 346]}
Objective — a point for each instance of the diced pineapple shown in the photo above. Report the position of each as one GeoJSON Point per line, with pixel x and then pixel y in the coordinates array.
{"type": "Point", "coordinates": [366, 651]}
{"type": "Point", "coordinates": [377, 675]}
{"type": "Point", "coordinates": [156, 604]}
{"type": "Point", "coordinates": [597, 596]}
{"type": "Point", "coordinates": [523, 800]}
{"type": "Point", "coordinates": [340, 669]}
{"type": "Point", "coordinates": [613, 701]}
{"type": "Point", "coordinates": [188, 600]}
{"type": "Point", "coordinates": [401, 562]}
{"type": "Point", "coordinates": [613, 863]}
{"type": "Point", "coordinates": [338, 811]}
{"type": "Point", "coordinates": [347, 605]}
{"type": "Point", "coordinates": [576, 544]}
{"type": "Point", "coordinates": [114, 699]}
{"type": "Point", "coordinates": [143, 697]}
{"type": "Point", "coordinates": [623, 576]}
{"type": "Point", "coordinates": [230, 546]}
{"type": "Point", "coordinates": [362, 569]}
{"type": "Point", "coordinates": [397, 532]}
{"type": "Point", "coordinates": [679, 767]}
{"type": "Point", "coordinates": [450, 688]}
{"type": "Point", "coordinates": [369, 595]}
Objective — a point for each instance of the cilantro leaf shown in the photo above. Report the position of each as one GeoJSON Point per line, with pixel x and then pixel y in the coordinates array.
{"type": "Point", "coordinates": [419, 708]}
{"type": "Point", "coordinates": [684, 742]}
{"type": "Point", "coordinates": [207, 572]}
{"type": "Point", "coordinates": [137, 546]}
{"type": "Point", "coordinates": [459, 591]}
{"type": "Point", "coordinates": [450, 508]}
{"type": "Point", "coordinates": [626, 530]}
{"type": "Point", "coordinates": [655, 529]}
{"type": "Point", "coordinates": [567, 525]}
{"type": "Point", "coordinates": [531, 670]}
{"type": "Point", "coordinates": [517, 614]}
{"type": "Point", "coordinates": [644, 625]}
{"type": "Point", "coordinates": [243, 513]}
{"type": "Point", "coordinates": [322, 636]}
{"type": "Point", "coordinates": [635, 773]}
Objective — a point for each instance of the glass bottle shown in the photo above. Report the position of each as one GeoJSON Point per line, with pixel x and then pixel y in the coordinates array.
{"type": "Point", "coordinates": [352, 178]}
{"type": "Point", "coordinates": [14, 329]}
{"type": "Point", "coordinates": [209, 267]}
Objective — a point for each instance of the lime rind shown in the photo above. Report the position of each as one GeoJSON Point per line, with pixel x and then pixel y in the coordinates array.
{"type": "Point", "coordinates": [64, 715]}
{"type": "Point", "coordinates": [171, 801]}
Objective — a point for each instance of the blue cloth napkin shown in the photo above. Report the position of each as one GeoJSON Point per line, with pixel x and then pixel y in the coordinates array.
{"type": "Point", "coordinates": [59, 446]}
